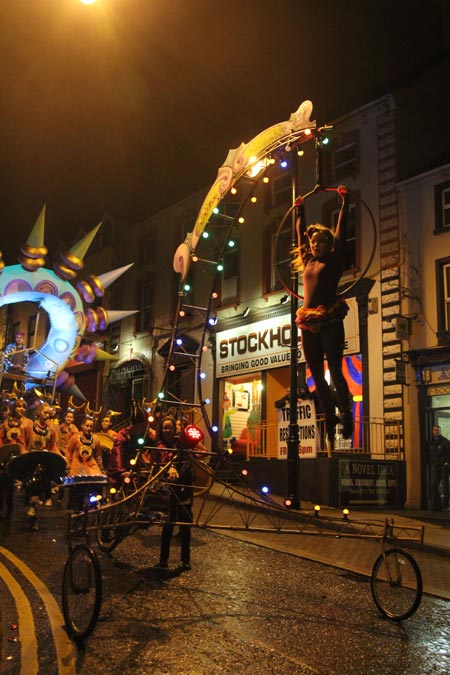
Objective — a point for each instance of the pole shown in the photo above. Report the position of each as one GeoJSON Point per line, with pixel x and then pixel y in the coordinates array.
{"type": "Point", "coordinates": [293, 435]}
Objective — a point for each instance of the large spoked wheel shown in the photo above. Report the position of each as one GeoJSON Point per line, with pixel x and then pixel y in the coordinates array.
{"type": "Point", "coordinates": [107, 538]}
{"type": "Point", "coordinates": [81, 591]}
{"type": "Point", "coordinates": [396, 584]}
{"type": "Point", "coordinates": [202, 478]}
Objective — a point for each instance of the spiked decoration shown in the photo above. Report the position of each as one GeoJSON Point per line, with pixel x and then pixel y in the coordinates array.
{"type": "Point", "coordinates": [33, 252]}
{"type": "Point", "coordinates": [69, 317]}
{"type": "Point", "coordinates": [98, 319]}
{"type": "Point", "coordinates": [71, 261]}
{"type": "Point", "coordinates": [94, 286]}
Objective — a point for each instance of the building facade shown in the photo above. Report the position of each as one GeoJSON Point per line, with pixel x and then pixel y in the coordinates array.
{"type": "Point", "coordinates": [232, 316]}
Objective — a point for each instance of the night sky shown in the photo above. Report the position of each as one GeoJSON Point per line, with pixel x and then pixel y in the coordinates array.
{"type": "Point", "coordinates": [127, 106]}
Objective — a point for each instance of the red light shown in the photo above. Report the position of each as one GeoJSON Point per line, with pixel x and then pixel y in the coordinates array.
{"type": "Point", "coordinates": [244, 473]}
{"type": "Point", "coordinates": [192, 435]}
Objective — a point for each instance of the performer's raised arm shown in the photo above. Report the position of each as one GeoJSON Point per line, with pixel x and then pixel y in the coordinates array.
{"type": "Point", "coordinates": [302, 238]}
{"type": "Point", "coordinates": [340, 233]}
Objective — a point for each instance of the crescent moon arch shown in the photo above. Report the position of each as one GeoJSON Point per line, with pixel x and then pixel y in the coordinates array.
{"type": "Point", "coordinates": [248, 157]}
{"type": "Point", "coordinates": [66, 304]}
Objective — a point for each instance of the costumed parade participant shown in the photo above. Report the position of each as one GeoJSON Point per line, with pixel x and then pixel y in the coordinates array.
{"type": "Point", "coordinates": [106, 426]}
{"type": "Point", "coordinates": [15, 438]}
{"type": "Point", "coordinates": [321, 258]}
{"type": "Point", "coordinates": [15, 357]}
{"type": "Point", "coordinates": [129, 445]}
{"type": "Point", "coordinates": [66, 430]}
{"type": "Point", "coordinates": [167, 440]}
{"type": "Point", "coordinates": [44, 438]}
{"type": "Point", "coordinates": [107, 436]}
{"type": "Point", "coordinates": [181, 497]}
{"type": "Point", "coordinates": [16, 428]}
{"type": "Point", "coordinates": [84, 452]}
{"type": "Point", "coordinates": [84, 458]}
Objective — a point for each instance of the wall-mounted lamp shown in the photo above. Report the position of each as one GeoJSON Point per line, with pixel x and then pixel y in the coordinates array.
{"type": "Point", "coordinates": [246, 312]}
{"type": "Point", "coordinates": [284, 299]}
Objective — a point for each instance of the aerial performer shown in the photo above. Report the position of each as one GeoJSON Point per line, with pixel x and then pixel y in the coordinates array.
{"type": "Point", "coordinates": [321, 257]}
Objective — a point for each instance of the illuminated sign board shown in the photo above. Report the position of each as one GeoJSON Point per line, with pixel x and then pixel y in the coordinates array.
{"type": "Point", "coordinates": [266, 344]}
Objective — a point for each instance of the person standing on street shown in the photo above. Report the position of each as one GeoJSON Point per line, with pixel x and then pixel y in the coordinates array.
{"type": "Point", "coordinates": [179, 478]}
{"type": "Point", "coordinates": [438, 459]}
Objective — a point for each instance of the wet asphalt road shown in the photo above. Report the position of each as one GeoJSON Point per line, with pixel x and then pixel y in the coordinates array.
{"type": "Point", "coordinates": [242, 609]}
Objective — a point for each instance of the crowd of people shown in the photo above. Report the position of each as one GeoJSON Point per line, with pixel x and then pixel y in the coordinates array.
{"type": "Point", "coordinates": [136, 448]}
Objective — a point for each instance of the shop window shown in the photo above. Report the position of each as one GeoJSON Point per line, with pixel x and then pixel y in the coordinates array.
{"type": "Point", "coordinates": [442, 207]}
{"type": "Point", "coordinates": [241, 407]}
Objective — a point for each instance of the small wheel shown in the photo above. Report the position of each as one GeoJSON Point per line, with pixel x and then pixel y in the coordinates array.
{"type": "Point", "coordinates": [108, 538]}
{"type": "Point", "coordinates": [81, 591]}
{"type": "Point", "coordinates": [396, 584]}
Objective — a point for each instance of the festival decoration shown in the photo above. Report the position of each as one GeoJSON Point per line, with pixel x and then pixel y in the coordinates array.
{"type": "Point", "coordinates": [67, 305]}
{"type": "Point", "coordinates": [249, 158]}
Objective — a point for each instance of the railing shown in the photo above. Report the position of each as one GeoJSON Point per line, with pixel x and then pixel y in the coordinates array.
{"type": "Point", "coordinates": [372, 436]}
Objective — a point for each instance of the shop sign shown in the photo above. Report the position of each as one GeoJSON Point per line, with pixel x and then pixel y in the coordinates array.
{"type": "Point", "coordinates": [308, 432]}
{"type": "Point", "coordinates": [266, 344]}
{"type": "Point", "coordinates": [127, 371]}
{"type": "Point", "coordinates": [363, 483]}
{"type": "Point", "coordinates": [437, 374]}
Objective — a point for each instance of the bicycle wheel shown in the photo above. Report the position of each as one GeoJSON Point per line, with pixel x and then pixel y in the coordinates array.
{"type": "Point", "coordinates": [108, 538]}
{"type": "Point", "coordinates": [81, 591]}
{"type": "Point", "coordinates": [396, 584]}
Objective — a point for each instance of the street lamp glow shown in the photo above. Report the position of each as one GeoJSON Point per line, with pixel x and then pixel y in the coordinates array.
{"type": "Point", "coordinates": [87, 2]}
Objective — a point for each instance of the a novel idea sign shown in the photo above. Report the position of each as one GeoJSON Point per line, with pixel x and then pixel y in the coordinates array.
{"type": "Point", "coordinates": [368, 482]}
{"type": "Point", "coordinates": [307, 430]}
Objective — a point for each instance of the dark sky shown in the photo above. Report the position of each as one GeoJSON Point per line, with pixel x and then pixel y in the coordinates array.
{"type": "Point", "coordinates": [127, 106]}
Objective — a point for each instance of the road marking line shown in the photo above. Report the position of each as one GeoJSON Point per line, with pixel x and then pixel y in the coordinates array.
{"type": "Point", "coordinates": [29, 663]}
{"type": "Point", "coordinates": [64, 648]}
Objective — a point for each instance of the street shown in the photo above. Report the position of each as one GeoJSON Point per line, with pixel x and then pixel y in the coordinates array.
{"type": "Point", "coordinates": [241, 609]}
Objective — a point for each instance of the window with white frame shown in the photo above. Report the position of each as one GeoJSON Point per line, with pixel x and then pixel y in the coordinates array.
{"type": "Point", "coordinates": [230, 277]}
{"type": "Point", "coordinates": [281, 258]}
{"type": "Point", "coordinates": [344, 161]}
{"type": "Point", "coordinates": [446, 284]}
{"type": "Point", "coordinates": [144, 318]}
{"type": "Point", "coordinates": [281, 189]}
{"type": "Point", "coordinates": [350, 262]}
{"type": "Point", "coordinates": [276, 257]}
{"type": "Point", "coordinates": [443, 293]}
{"type": "Point", "coordinates": [341, 158]}
{"type": "Point", "coordinates": [442, 206]}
